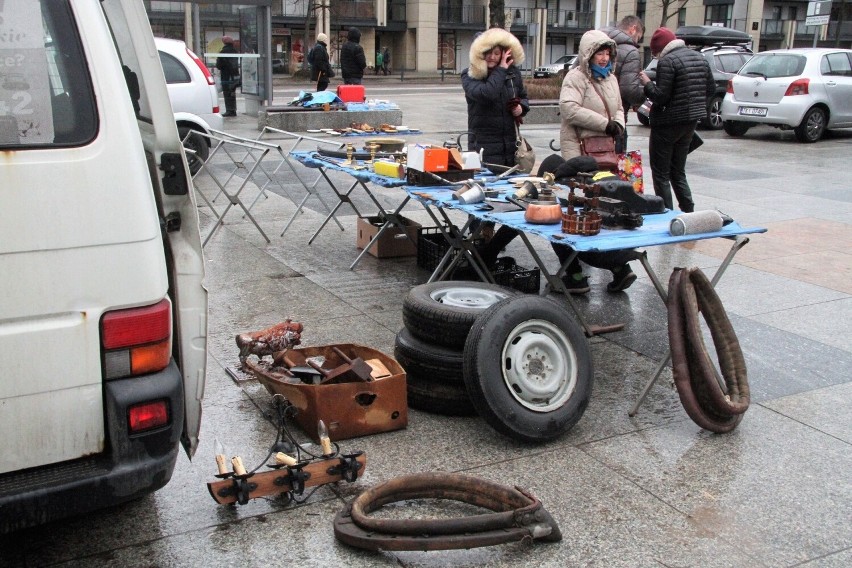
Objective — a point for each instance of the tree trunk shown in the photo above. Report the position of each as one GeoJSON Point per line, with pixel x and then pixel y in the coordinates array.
{"type": "Point", "coordinates": [497, 14]}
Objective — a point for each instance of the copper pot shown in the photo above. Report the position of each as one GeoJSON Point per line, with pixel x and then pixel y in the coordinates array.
{"type": "Point", "coordinates": [543, 212]}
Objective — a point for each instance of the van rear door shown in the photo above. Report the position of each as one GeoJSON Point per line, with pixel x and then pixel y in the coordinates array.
{"type": "Point", "coordinates": [176, 205]}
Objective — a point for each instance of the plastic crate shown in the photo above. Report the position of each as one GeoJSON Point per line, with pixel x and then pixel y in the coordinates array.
{"type": "Point", "coordinates": [508, 273]}
{"type": "Point", "coordinates": [432, 246]}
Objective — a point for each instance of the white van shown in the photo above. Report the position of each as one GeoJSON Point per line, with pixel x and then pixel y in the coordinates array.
{"type": "Point", "coordinates": [102, 309]}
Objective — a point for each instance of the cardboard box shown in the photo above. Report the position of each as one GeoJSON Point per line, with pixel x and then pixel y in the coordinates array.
{"type": "Point", "coordinates": [349, 409]}
{"type": "Point", "coordinates": [393, 241]}
{"type": "Point", "coordinates": [428, 158]}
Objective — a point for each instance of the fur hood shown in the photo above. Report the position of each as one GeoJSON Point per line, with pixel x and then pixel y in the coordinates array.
{"type": "Point", "coordinates": [671, 46]}
{"type": "Point", "coordinates": [590, 43]}
{"type": "Point", "coordinates": [486, 41]}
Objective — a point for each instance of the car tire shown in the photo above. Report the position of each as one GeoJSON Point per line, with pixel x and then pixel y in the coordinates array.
{"type": "Point", "coordinates": [434, 376]}
{"type": "Point", "coordinates": [441, 313]}
{"type": "Point", "coordinates": [528, 368]}
{"type": "Point", "coordinates": [714, 114]}
{"type": "Point", "coordinates": [812, 126]}
{"type": "Point", "coordinates": [735, 128]}
{"type": "Point", "coordinates": [198, 144]}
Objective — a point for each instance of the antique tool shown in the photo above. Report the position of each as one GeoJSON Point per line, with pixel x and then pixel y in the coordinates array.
{"type": "Point", "coordinates": [517, 515]}
{"type": "Point", "coordinates": [357, 365]}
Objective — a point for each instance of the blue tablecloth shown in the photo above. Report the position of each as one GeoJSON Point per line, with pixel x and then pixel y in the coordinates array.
{"type": "Point", "coordinates": [308, 158]}
{"type": "Point", "coordinates": [654, 230]}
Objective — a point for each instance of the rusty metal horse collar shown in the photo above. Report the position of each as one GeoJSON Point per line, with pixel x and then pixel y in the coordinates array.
{"type": "Point", "coordinates": [517, 515]}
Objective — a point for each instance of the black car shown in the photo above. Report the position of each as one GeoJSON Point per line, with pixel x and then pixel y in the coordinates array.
{"type": "Point", "coordinates": [725, 60]}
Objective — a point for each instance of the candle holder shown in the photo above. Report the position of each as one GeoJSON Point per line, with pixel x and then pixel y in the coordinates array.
{"type": "Point", "coordinates": [373, 147]}
{"type": "Point", "coordinates": [350, 151]}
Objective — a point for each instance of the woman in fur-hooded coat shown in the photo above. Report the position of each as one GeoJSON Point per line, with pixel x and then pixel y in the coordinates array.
{"type": "Point", "coordinates": [493, 88]}
{"type": "Point", "coordinates": [580, 105]}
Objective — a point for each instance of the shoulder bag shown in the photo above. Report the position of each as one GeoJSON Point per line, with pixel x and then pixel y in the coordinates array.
{"type": "Point", "coordinates": [601, 148]}
{"type": "Point", "coordinates": [524, 153]}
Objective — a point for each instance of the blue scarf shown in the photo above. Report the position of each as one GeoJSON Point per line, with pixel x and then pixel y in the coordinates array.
{"type": "Point", "coordinates": [602, 72]}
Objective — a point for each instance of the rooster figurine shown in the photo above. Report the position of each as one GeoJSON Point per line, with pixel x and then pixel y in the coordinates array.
{"type": "Point", "coordinates": [271, 340]}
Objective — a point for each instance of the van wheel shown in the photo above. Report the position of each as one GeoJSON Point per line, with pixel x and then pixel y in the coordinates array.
{"type": "Point", "coordinates": [735, 128]}
{"type": "Point", "coordinates": [812, 126]}
{"type": "Point", "coordinates": [528, 368]}
{"type": "Point", "coordinates": [198, 144]}
{"type": "Point", "coordinates": [714, 114]}
{"type": "Point", "coordinates": [441, 313]}
{"type": "Point", "coordinates": [434, 376]}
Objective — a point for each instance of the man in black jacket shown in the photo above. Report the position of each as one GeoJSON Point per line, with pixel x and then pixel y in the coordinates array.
{"type": "Point", "coordinates": [684, 81]}
{"type": "Point", "coordinates": [229, 75]}
{"type": "Point", "coordinates": [320, 66]}
{"type": "Point", "coordinates": [352, 59]}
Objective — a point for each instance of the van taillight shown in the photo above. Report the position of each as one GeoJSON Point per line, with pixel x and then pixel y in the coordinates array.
{"type": "Point", "coordinates": [798, 87]}
{"type": "Point", "coordinates": [202, 66]}
{"type": "Point", "coordinates": [147, 416]}
{"type": "Point", "coordinates": [137, 341]}
{"type": "Point", "coordinates": [730, 87]}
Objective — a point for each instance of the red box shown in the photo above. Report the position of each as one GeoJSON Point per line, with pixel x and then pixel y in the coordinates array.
{"type": "Point", "coordinates": [351, 93]}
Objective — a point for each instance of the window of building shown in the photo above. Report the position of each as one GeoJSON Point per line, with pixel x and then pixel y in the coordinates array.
{"type": "Point", "coordinates": [719, 14]}
{"type": "Point", "coordinates": [681, 17]}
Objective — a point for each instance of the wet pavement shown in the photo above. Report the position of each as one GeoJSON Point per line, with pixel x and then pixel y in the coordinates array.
{"type": "Point", "coordinates": [653, 490]}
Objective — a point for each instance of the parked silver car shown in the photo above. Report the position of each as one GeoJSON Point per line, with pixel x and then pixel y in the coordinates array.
{"type": "Point", "coordinates": [556, 67]}
{"type": "Point", "coordinates": [807, 90]}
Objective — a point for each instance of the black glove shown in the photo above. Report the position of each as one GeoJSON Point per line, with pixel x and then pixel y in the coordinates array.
{"type": "Point", "coordinates": [613, 128]}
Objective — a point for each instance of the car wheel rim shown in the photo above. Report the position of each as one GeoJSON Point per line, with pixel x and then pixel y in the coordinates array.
{"type": "Point", "coordinates": [467, 297]}
{"type": "Point", "coordinates": [716, 114]}
{"type": "Point", "coordinates": [539, 365]}
{"type": "Point", "coordinates": [815, 125]}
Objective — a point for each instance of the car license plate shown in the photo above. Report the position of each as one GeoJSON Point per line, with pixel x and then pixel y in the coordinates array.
{"type": "Point", "coordinates": [753, 111]}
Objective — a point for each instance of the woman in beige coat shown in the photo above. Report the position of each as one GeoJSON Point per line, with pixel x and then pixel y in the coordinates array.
{"type": "Point", "coordinates": [590, 102]}
{"type": "Point", "coordinates": [590, 90]}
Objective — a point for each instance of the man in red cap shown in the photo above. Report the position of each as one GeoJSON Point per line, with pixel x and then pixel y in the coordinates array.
{"type": "Point", "coordinates": [229, 75]}
{"type": "Point", "coordinates": [684, 81]}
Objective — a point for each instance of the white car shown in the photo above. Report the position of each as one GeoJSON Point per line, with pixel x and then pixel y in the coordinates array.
{"type": "Point", "coordinates": [556, 67]}
{"type": "Point", "coordinates": [807, 90]}
{"type": "Point", "coordinates": [192, 91]}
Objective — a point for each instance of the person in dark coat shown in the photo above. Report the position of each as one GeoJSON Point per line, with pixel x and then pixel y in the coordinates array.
{"type": "Point", "coordinates": [229, 75]}
{"type": "Point", "coordinates": [386, 68]}
{"type": "Point", "coordinates": [495, 94]}
{"type": "Point", "coordinates": [496, 101]}
{"type": "Point", "coordinates": [684, 81]}
{"type": "Point", "coordinates": [627, 66]}
{"type": "Point", "coordinates": [352, 58]}
{"type": "Point", "coordinates": [320, 66]}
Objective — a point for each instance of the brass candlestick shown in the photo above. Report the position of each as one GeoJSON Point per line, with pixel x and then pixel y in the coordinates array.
{"type": "Point", "coordinates": [350, 151]}
{"type": "Point", "coordinates": [373, 148]}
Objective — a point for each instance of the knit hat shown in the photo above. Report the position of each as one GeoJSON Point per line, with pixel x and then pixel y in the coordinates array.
{"type": "Point", "coordinates": [227, 40]}
{"type": "Point", "coordinates": [322, 37]}
{"type": "Point", "coordinates": [661, 39]}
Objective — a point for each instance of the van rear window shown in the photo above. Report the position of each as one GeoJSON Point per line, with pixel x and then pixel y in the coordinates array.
{"type": "Point", "coordinates": [46, 96]}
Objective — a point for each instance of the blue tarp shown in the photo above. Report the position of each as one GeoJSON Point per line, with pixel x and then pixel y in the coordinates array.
{"type": "Point", "coordinates": [317, 98]}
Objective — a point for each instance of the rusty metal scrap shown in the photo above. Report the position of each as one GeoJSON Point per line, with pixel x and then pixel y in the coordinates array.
{"type": "Point", "coordinates": [517, 515]}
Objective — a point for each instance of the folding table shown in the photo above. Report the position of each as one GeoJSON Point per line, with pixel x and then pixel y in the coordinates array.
{"type": "Point", "coordinates": [653, 232]}
{"type": "Point", "coordinates": [361, 177]}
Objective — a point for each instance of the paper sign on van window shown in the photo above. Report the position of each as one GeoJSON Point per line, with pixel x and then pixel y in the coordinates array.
{"type": "Point", "coordinates": [25, 104]}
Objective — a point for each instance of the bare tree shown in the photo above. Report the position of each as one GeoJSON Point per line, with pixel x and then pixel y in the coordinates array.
{"type": "Point", "coordinates": [497, 13]}
{"type": "Point", "coordinates": [673, 5]}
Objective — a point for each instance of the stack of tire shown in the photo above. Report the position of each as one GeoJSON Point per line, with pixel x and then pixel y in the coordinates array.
{"type": "Point", "coordinates": [520, 361]}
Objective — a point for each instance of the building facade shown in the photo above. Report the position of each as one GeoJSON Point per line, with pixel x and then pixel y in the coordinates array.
{"type": "Point", "coordinates": [435, 35]}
